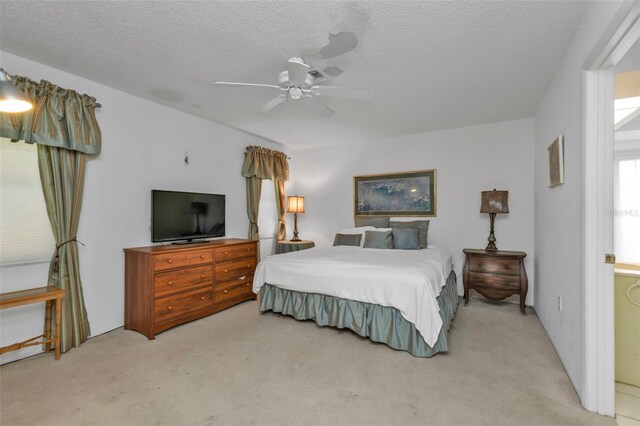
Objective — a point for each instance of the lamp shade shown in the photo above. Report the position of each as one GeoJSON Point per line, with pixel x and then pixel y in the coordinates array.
{"type": "Point", "coordinates": [11, 98]}
{"type": "Point", "coordinates": [495, 202]}
{"type": "Point", "coordinates": [296, 204]}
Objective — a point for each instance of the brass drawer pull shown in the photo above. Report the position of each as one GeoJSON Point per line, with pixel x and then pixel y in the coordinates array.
{"type": "Point", "coordinates": [226, 252]}
{"type": "Point", "coordinates": [248, 266]}
{"type": "Point", "coordinates": [169, 307]}
{"type": "Point", "coordinates": [201, 275]}
{"type": "Point", "coordinates": [248, 284]}
{"type": "Point", "coordinates": [170, 283]}
{"type": "Point", "coordinates": [226, 291]}
{"type": "Point", "coordinates": [249, 249]}
{"type": "Point", "coordinates": [226, 270]}
{"type": "Point", "coordinates": [170, 260]}
{"type": "Point", "coordinates": [201, 297]}
{"type": "Point", "coordinates": [202, 256]}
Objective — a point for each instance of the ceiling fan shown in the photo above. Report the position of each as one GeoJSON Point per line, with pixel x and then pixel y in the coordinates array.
{"type": "Point", "coordinates": [295, 84]}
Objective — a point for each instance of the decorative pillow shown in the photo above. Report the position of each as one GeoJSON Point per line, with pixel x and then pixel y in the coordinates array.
{"type": "Point", "coordinates": [405, 238]}
{"type": "Point", "coordinates": [377, 222]}
{"type": "Point", "coordinates": [347, 240]}
{"type": "Point", "coordinates": [357, 231]}
{"type": "Point", "coordinates": [421, 225]}
{"type": "Point", "coordinates": [378, 239]}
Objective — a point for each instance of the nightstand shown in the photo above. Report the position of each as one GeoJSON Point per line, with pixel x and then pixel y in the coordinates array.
{"type": "Point", "coordinates": [287, 246]}
{"type": "Point", "coordinates": [496, 275]}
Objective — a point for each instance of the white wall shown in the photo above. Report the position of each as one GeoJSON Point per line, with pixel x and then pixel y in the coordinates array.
{"type": "Point", "coordinates": [468, 160]}
{"type": "Point", "coordinates": [559, 212]}
{"type": "Point", "coordinates": [143, 147]}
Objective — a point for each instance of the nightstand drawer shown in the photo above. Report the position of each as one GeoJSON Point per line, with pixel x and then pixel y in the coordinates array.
{"type": "Point", "coordinates": [494, 264]}
{"type": "Point", "coordinates": [481, 279]}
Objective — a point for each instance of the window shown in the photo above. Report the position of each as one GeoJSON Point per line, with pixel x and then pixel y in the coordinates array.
{"type": "Point", "coordinates": [24, 225]}
{"type": "Point", "coordinates": [627, 209]}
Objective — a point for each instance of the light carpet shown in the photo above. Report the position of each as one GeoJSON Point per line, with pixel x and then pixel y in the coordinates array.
{"type": "Point", "coordinates": [243, 367]}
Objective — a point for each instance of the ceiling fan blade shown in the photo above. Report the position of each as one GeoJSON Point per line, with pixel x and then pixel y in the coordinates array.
{"type": "Point", "coordinates": [343, 92]}
{"type": "Point", "coordinates": [316, 106]}
{"type": "Point", "coordinates": [272, 104]}
{"type": "Point", "coordinates": [246, 85]}
{"type": "Point", "coordinates": [297, 71]}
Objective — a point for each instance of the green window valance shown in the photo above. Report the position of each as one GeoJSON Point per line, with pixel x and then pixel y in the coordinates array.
{"type": "Point", "coordinates": [59, 117]}
{"type": "Point", "coordinates": [265, 163]}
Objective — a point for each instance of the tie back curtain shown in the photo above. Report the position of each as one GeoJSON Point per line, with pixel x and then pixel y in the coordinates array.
{"type": "Point", "coordinates": [263, 163]}
{"type": "Point", "coordinates": [63, 125]}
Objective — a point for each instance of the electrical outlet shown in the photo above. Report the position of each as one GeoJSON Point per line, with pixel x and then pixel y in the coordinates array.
{"type": "Point", "coordinates": [560, 303]}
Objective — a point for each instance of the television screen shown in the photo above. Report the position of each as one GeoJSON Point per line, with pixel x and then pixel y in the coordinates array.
{"type": "Point", "coordinates": [186, 215]}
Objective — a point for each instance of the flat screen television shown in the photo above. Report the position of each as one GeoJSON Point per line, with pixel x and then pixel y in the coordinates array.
{"type": "Point", "coordinates": [186, 216]}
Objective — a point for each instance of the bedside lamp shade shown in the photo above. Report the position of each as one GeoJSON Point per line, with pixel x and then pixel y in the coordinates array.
{"type": "Point", "coordinates": [296, 205]}
{"type": "Point", "coordinates": [494, 202]}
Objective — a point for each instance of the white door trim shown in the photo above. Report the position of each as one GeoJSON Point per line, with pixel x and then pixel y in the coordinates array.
{"type": "Point", "coordinates": [599, 360]}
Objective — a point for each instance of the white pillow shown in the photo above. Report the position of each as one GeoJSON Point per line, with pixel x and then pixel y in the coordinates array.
{"type": "Point", "coordinates": [360, 230]}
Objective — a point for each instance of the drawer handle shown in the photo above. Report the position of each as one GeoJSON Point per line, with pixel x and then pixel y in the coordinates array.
{"type": "Point", "coordinates": [226, 252]}
{"type": "Point", "coordinates": [169, 307]}
{"type": "Point", "coordinates": [226, 270]}
{"type": "Point", "coordinates": [249, 249]}
{"type": "Point", "coordinates": [170, 283]}
{"type": "Point", "coordinates": [202, 256]}
{"type": "Point", "coordinates": [248, 284]}
{"type": "Point", "coordinates": [170, 260]}
{"type": "Point", "coordinates": [226, 291]}
{"type": "Point", "coordinates": [248, 266]}
{"type": "Point", "coordinates": [201, 275]}
{"type": "Point", "coordinates": [201, 297]}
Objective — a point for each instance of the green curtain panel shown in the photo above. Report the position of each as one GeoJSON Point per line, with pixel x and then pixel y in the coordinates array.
{"type": "Point", "coordinates": [62, 177]}
{"type": "Point", "coordinates": [60, 117]}
{"type": "Point", "coordinates": [63, 124]}
{"type": "Point", "coordinates": [263, 163]}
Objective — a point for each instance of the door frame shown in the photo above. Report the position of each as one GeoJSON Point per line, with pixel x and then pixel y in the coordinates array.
{"type": "Point", "coordinates": [599, 357]}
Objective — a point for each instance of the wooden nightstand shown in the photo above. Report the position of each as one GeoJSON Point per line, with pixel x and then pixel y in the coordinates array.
{"type": "Point", "coordinates": [496, 275]}
{"type": "Point", "coordinates": [287, 246]}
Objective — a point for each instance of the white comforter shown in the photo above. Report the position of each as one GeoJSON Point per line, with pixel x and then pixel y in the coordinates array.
{"type": "Point", "coordinates": [408, 280]}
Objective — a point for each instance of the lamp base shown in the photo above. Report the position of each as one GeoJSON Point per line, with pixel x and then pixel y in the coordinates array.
{"type": "Point", "coordinates": [492, 238]}
{"type": "Point", "coordinates": [491, 247]}
{"type": "Point", "coordinates": [295, 238]}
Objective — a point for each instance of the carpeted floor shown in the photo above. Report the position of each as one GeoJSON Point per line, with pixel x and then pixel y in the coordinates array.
{"type": "Point", "coordinates": [241, 367]}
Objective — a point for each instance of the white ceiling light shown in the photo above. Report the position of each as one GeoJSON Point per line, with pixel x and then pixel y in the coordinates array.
{"type": "Point", "coordinates": [11, 98]}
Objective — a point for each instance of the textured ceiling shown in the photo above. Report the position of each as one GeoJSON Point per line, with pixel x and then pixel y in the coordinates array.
{"type": "Point", "coordinates": [432, 65]}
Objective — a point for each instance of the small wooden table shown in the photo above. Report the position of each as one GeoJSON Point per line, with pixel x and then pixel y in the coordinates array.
{"type": "Point", "coordinates": [36, 295]}
{"type": "Point", "coordinates": [287, 246]}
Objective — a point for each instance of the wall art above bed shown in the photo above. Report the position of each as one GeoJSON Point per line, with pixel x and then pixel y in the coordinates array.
{"type": "Point", "coordinates": [395, 194]}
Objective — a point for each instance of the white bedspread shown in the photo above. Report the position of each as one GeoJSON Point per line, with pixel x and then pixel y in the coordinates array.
{"type": "Point", "coordinates": [408, 280]}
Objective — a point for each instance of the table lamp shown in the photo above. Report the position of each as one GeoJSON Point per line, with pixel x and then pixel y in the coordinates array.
{"type": "Point", "coordinates": [494, 202]}
{"type": "Point", "coordinates": [296, 205]}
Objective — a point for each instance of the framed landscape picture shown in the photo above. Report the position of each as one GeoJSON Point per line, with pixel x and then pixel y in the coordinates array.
{"type": "Point", "coordinates": [556, 162]}
{"type": "Point", "coordinates": [395, 194]}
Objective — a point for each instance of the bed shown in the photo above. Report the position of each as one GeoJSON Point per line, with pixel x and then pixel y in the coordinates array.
{"type": "Point", "coordinates": [405, 299]}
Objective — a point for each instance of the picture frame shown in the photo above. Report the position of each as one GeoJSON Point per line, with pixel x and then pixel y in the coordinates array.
{"type": "Point", "coordinates": [556, 162]}
{"type": "Point", "coordinates": [395, 194]}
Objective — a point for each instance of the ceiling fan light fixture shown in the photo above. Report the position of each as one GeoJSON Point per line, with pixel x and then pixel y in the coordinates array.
{"type": "Point", "coordinates": [11, 98]}
{"type": "Point", "coordinates": [295, 93]}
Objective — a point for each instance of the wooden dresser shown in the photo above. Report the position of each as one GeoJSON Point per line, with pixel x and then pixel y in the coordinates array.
{"type": "Point", "coordinates": [172, 284]}
{"type": "Point", "coordinates": [496, 275]}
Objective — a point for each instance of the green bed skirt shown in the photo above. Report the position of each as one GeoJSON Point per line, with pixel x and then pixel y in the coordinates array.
{"type": "Point", "coordinates": [379, 323]}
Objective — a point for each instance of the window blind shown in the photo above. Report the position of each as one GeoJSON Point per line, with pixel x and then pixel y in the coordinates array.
{"type": "Point", "coordinates": [25, 231]}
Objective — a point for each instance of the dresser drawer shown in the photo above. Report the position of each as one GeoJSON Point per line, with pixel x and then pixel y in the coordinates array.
{"type": "Point", "coordinates": [481, 279]}
{"type": "Point", "coordinates": [186, 258]}
{"type": "Point", "coordinates": [234, 270]}
{"type": "Point", "coordinates": [173, 306]}
{"type": "Point", "coordinates": [180, 280]}
{"type": "Point", "coordinates": [235, 252]}
{"type": "Point", "coordinates": [233, 289]}
{"type": "Point", "coordinates": [494, 264]}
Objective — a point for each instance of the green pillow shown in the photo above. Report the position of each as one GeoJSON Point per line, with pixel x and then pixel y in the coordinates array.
{"type": "Point", "coordinates": [378, 239]}
{"type": "Point", "coordinates": [347, 240]}
{"type": "Point", "coordinates": [405, 238]}
{"type": "Point", "coordinates": [376, 222]}
{"type": "Point", "coordinates": [421, 225]}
